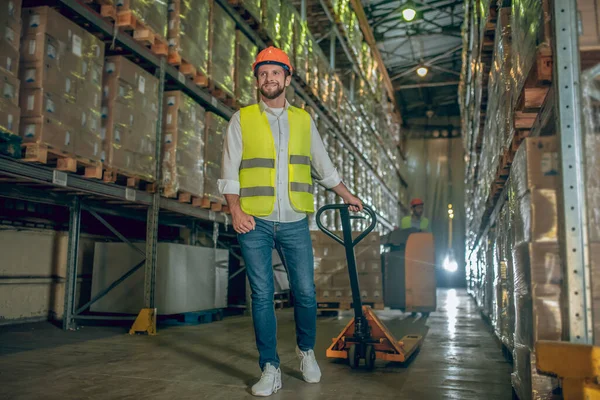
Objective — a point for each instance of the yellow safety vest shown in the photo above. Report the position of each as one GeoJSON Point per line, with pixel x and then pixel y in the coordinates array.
{"type": "Point", "coordinates": [407, 223]}
{"type": "Point", "coordinates": [257, 169]}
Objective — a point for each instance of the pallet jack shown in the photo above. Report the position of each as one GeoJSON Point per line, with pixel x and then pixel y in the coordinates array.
{"type": "Point", "coordinates": [365, 337]}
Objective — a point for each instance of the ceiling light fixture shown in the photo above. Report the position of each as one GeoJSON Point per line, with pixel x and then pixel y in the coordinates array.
{"type": "Point", "coordinates": [422, 71]}
{"type": "Point", "coordinates": [409, 12]}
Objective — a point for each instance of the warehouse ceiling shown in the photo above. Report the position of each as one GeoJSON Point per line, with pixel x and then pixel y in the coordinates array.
{"type": "Point", "coordinates": [432, 39]}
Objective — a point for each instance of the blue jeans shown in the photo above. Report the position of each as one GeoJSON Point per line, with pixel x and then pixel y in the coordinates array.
{"type": "Point", "coordinates": [292, 242]}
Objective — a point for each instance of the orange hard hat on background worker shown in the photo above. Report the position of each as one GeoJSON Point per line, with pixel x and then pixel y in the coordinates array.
{"type": "Point", "coordinates": [273, 55]}
{"type": "Point", "coordinates": [416, 202]}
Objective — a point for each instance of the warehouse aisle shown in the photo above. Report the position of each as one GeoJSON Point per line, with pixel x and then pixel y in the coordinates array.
{"type": "Point", "coordinates": [459, 360]}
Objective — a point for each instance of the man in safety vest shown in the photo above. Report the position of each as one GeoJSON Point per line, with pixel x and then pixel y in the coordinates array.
{"type": "Point", "coordinates": [271, 154]}
{"type": "Point", "coordinates": [416, 219]}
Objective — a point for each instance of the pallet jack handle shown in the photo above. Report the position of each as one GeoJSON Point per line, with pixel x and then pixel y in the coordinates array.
{"type": "Point", "coordinates": [349, 244]}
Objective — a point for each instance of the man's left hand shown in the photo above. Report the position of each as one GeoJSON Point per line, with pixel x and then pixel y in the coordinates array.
{"type": "Point", "coordinates": [355, 204]}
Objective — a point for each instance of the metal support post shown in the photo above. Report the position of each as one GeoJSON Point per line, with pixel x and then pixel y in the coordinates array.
{"type": "Point", "coordinates": [72, 255]}
{"type": "Point", "coordinates": [153, 210]}
{"type": "Point", "coordinates": [352, 84]}
{"type": "Point", "coordinates": [146, 320]}
{"type": "Point", "coordinates": [332, 48]}
{"type": "Point", "coordinates": [303, 10]}
{"type": "Point", "coordinates": [574, 229]}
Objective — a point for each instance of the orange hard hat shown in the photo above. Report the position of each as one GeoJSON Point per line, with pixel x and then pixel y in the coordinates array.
{"type": "Point", "coordinates": [416, 202]}
{"type": "Point", "coordinates": [273, 55]}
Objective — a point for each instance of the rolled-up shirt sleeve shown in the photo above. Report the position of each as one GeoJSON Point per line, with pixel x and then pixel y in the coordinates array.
{"type": "Point", "coordinates": [232, 157]}
{"type": "Point", "coordinates": [323, 170]}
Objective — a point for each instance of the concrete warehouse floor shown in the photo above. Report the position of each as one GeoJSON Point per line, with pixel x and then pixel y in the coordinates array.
{"type": "Point", "coordinates": [459, 360]}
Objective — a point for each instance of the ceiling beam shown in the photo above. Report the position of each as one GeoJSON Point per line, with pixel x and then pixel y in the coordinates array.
{"type": "Point", "coordinates": [428, 63]}
{"type": "Point", "coordinates": [426, 85]}
{"type": "Point", "coordinates": [446, 70]}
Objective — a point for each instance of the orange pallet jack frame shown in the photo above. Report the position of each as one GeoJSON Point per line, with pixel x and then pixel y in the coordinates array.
{"type": "Point", "coordinates": [365, 337]}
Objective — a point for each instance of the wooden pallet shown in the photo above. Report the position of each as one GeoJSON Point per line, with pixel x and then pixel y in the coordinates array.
{"type": "Point", "coordinates": [61, 160]}
{"type": "Point", "coordinates": [223, 96]}
{"type": "Point", "coordinates": [197, 201]}
{"type": "Point", "coordinates": [192, 318]}
{"type": "Point", "coordinates": [128, 179]}
{"type": "Point", "coordinates": [143, 34]}
{"type": "Point", "coordinates": [188, 69]}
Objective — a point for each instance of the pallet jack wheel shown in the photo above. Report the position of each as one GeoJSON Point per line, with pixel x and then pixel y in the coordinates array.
{"type": "Point", "coordinates": [370, 357]}
{"type": "Point", "coordinates": [353, 357]}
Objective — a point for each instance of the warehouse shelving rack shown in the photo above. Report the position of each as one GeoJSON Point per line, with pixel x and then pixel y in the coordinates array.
{"type": "Point", "coordinates": [41, 184]}
{"type": "Point", "coordinates": [563, 105]}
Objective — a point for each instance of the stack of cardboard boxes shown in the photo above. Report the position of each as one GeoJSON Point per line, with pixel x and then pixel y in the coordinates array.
{"type": "Point", "coordinates": [213, 153]}
{"type": "Point", "coordinates": [189, 33]}
{"type": "Point", "coordinates": [61, 84]}
{"type": "Point", "coordinates": [535, 254]}
{"type": "Point", "coordinates": [245, 83]}
{"type": "Point", "coordinates": [183, 145]}
{"type": "Point", "coordinates": [223, 51]}
{"type": "Point", "coordinates": [10, 18]}
{"type": "Point", "coordinates": [129, 115]}
{"type": "Point", "coordinates": [331, 269]}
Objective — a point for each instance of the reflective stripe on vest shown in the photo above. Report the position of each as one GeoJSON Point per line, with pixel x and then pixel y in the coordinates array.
{"type": "Point", "coordinates": [407, 223]}
{"type": "Point", "coordinates": [257, 169]}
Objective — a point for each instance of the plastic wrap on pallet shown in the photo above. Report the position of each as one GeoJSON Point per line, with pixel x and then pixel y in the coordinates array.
{"type": "Point", "coordinates": [324, 82]}
{"type": "Point", "coordinates": [288, 22]}
{"type": "Point", "coordinates": [590, 89]}
{"type": "Point", "coordinates": [183, 145]}
{"type": "Point", "coordinates": [9, 68]}
{"type": "Point", "coordinates": [129, 115]}
{"type": "Point", "coordinates": [271, 19]}
{"type": "Point", "coordinates": [60, 84]}
{"type": "Point", "coordinates": [152, 13]}
{"type": "Point", "coordinates": [10, 39]}
{"type": "Point", "coordinates": [245, 82]}
{"type": "Point", "coordinates": [526, 23]}
{"type": "Point", "coordinates": [301, 48]}
{"type": "Point", "coordinates": [222, 62]}
{"type": "Point", "coordinates": [213, 146]}
{"type": "Point", "coordinates": [591, 146]}
{"type": "Point", "coordinates": [538, 313]}
{"type": "Point", "coordinates": [314, 53]}
{"type": "Point", "coordinates": [189, 33]}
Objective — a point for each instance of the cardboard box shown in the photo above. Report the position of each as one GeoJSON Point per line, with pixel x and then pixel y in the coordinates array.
{"type": "Point", "coordinates": [595, 276]}
{"type": "Point", "coordinates": [9, 117]}
{"type": "Point", "coordinates": [9, 87]}
{"type": "Point", "coordinates": [245, 82]}
{"type": "Point", "coordinates": [535, 218]}
{"type": "Point", "coordinates": [11, 8]}
{"type": "Point", "coordinates": [213, 152]}
{"type": "Point", "coordinates": [589, 12]}
{"type": "Point", "coordinates": [129, 115]}
{"type": "Point", "coordinates": [222, 61]}
{"type": "Point", "coordinates": [183, 145]}
{"type": "Point", "coordinates": [46, 130]}
{"type": "Point", "coordinates": [536, 165]}
{"type": "Point", "coordinates": [9, 58]}
{"type": "Point", "coordinates": [190, 41]}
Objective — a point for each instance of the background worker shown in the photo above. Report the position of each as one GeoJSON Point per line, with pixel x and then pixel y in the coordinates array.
{"type": "Point", "coordinates": [416, 219]}
{"type": "Point", "coordinates": [271, 150]}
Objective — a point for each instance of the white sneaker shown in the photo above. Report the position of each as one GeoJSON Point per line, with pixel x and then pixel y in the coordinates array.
{"type": "Point", "coordinates": [270, 382]}
{"type": "Point", "coordinates": [308, 365]}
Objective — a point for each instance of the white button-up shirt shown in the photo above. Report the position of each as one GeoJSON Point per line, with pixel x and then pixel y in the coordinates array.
{"type": "Point", "coordinates": [323, 170]}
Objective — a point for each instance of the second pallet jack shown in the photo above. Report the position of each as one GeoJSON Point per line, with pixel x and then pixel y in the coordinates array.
{"type": "Point", "coordinates": [365, 337]}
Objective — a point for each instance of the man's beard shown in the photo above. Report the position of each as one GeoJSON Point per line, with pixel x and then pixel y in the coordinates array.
{"type": "Point", "coordinates": [273, 94]}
